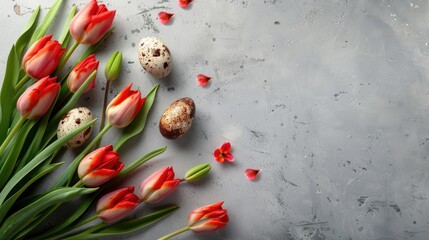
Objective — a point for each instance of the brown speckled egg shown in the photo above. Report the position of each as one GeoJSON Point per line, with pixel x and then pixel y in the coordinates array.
{"type": "Point", "coordinates": [72, 120]}
{"type": "Point", "coordinates": [154, 57]}
{"type": "Point", "coordinates": [177, 118]}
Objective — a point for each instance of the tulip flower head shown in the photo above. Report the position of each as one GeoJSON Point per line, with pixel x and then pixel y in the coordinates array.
{"type": "Point", "coordinates": [42, 57]}
{"type": "Point", "coordinates": [208, 218]}
{"type": "Point", "coordinates": [122, 110]}
{"type": "Point", "coordinates": [99, 166]}
{"type": "Point", "coordinates": [117, 204]}
{"type": "Point", "coordinates": [91, 23]}
{"type": "Point", "coordinates": [81, 72]}
{"type": "Point", "coordinates": [38, 98]}
{"type": "Point", "coordinates": [158, 185]}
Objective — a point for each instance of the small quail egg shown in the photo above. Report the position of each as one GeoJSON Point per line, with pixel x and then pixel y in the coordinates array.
{"type": "Point", "coordinates": [72, 120]}
{"type": "Point", "coordinates": [155, 57]}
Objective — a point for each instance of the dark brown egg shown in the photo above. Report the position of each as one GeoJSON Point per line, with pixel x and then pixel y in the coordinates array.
{"type": "Point", "coordinates": [177, 118]}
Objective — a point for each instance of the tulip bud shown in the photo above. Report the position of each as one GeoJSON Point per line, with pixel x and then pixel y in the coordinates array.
{"type": "Point", "coordinates": [208, 218]}
{"type": "Point", "coordinates": [91, 23]}
{"type": "Point", "coordinates": [196, 173]}
{"type": "Point", "coordinates": [122, 110]}
{"type": "Point", "coordinates": [113, 66]}
{"type": "Point", "coordinates": [38, 98]}
{"type": "Point", "coordinates": [117, 204]}
{"type": "Point", "coordinates": [42, 57]}
{"type": "Point", "coordinates": [158, 185]}
{"type": "Point", "coordinates": [81, 72]}
{"type": "Point", "coordinates": [99, 166]}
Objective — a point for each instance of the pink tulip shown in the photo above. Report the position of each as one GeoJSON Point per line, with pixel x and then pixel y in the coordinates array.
{"type": "Point", "coordinates": [122, 110]}
{"type": "Point", "coordinates": [91, 23]}
{"type": "Point", "coordinates": [99, 166]}
{"type": "Point", "coordinates": [158, 185]}
{"type": "Point", "coordinates": [38, 98]}
{"type": "Point", "coordinates": [81, 72]}
{"type": "Point", "coordinates": [42, 57]}
{"type": "Point", "coordinates": [117, 204]}
{"type": "Point", "coordinates": [208, 218]}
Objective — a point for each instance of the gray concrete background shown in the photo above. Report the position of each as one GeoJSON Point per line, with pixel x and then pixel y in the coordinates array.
{"type": "Point", "coordinates": [328, 98]}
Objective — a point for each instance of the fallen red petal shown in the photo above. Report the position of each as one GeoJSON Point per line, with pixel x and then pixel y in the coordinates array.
{"type": "Point", "coordinates": [226, 147]}
{"type": "Point", "coordinates": [164, 17]}
{"type": "Point", "coordinates": [251, 173]}
{"type": "Point", "coordinates": [229, 157]}
{"type": "Point", "coordinates": [184, 3]}
{"type": "Point", "coordinates": [218, 155]}
{"type": "Point", "coordinates": [203, 79]}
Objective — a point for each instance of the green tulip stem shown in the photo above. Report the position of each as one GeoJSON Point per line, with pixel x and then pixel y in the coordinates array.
{"type": "Point", "coordinates": [106, 95]}
{"type": "Point", "coordinates": [88, 220]}
{"type": "Point", "coordinates": [168, 236]}
{"type": "Point", "coordinates": [21, 82]}
{"type": "Point", "coordinates": [78, 184]}
{"type": "Point", "coordinates": [66, 57]}
{"type": "Point", "coordinates": [11, 134]}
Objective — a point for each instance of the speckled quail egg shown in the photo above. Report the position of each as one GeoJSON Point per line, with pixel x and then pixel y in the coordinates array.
{"type": "Point", "coordinates": [177, 118]}
{"type": "Point", "coordinates": [72, 120]}
{"type": "Point", "coordinates": [155, 57]}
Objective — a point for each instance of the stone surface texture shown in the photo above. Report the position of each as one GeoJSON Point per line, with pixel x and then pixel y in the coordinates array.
{"type": "Point", "coordinates": [329, 98]}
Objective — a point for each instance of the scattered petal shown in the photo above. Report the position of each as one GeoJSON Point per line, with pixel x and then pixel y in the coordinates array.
{"type": "Point", "coordinates": [229, 157]}
{"type": "Point", "coordinates": [226, 147]}
{"type": "Point", "coordinates": [251, 173]}
{"type": "Point", "coordinates": [184, 3]}
{"type": "Point", "coordinates": [223, 153]}
{"type": "Point", "coordinates": [164, 17]}
{"type": "Point", "coordinates": [203, 79]}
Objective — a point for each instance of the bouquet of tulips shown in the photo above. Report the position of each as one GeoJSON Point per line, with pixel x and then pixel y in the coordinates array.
{"type": "Point", "coordinates": [37, 95]}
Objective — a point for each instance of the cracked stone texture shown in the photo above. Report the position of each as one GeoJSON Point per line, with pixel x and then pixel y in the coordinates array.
{"type": "Point", "coordinates": [328, 98]}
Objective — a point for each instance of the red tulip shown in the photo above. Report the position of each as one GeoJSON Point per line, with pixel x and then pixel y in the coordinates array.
{"type": "Point", "coordinates": [99, 166]}
{"type": "Point", "coordinates": [38, 98]}
{"type": "Point", "coordinates": [208, 218]}
{"type": "Point", "coordinates": [158, 185]}
{"type": "Point", "coordinates": [122, 110]}
{"type": "Point", "coordinates": [81, 72]}
{"type": "Point", "coordinates": [91, 23]}
{"type": "Point", "coordinates": [117, 204]}
{"type": "Point", "coordinates": [42, 57]}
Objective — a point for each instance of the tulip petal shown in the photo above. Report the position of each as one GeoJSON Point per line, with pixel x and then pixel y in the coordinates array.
{"type": "Point", "coordinates": [226, 147]}
{"type": "Point", "coordinates": [82, 19]}
{"type": "Point", "coordinates": [98, 26]}
{"type": "Point", "coordinates": [218, 156]}
{"type": "Point", "coordinates": [229, 157]}
{"type": "Point", "coordinates": [164, 17]}
{"type": "Point", "coordinates": [167, 188]}
{"type": "Point", "coordinates": [111, 199]}
{"type": "Point", "coordinates": [203, 79]}
{"type": "Point", "coordinates": [35, 48]}
{"type": "Point", "coordinates": [251, 173]}
{"type": "Point", "coordinates": [184, 3]}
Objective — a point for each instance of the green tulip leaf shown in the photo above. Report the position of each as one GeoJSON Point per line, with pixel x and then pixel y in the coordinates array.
{"type": "Point", "coordinates": [138, 124]}
{"type": "Point", "coordinates": [8, 87]}
{"type": "Point", "coordinates": [36, 161]}
{"type": "Point", "coordinates": [104, 229]}
{"type": "Point", "coordinates": [14, 224]}
{"type": "Point", "coordinates": [138, 223]}
{"type": "Point", "coordinates": [69, 222]}
{"type": "Point", "coordinates": [28, 32]}
{"type": "Point", "coordinates": [137, 163]}
{"type": "Point", "coordinates": [65, 34]}
{"type": "Point", "coordinates": [46, 22]}
{"type": "Point", "coordinates": [9, 164]}
{"type": "Point", "coordinates": [93, 48]}
{"type": "Point", "coordinates": [5, 207]}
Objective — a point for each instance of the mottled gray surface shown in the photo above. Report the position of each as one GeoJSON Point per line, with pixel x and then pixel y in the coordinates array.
{"type": "Point", "coordinates": [329, 98]}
